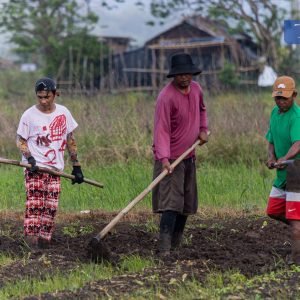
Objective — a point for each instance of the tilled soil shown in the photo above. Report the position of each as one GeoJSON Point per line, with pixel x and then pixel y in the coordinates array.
{"type": "Point", "coordinates": [251, 244]}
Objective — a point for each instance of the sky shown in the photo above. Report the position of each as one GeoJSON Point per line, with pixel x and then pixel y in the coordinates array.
{"type": "Point", "coordinates": [127, 20]}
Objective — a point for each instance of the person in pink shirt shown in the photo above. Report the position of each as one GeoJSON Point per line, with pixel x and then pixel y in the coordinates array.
{"type": "Point", "coordinates": [180, 119]}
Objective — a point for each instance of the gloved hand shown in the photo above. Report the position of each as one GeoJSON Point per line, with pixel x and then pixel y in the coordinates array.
{"type": "Point", "coordinates": [78, 175]}
{"type": "Point", "coordinates": [31, 160]}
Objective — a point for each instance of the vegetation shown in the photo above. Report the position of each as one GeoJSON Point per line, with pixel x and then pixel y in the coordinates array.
{"type": "Point", "coordinates": [44, 32]}
{"type": "Point", "coordinates": [114, 138]}
{"type": "Point", "coordinates": [262, 20]}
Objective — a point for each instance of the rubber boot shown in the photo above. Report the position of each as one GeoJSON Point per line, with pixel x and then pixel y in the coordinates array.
{"type": "Point", "coordinates": [167, 224]}
{"type": "Point", "coordinates": [43, 243]}
{"type": "Point", "coordinates": [178, 231]}
{"type": "Point", "coordinates": [296, 252]}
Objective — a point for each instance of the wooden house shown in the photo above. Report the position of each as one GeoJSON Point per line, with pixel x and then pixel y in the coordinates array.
{"type": "Point", "coordinates": [207, 41]}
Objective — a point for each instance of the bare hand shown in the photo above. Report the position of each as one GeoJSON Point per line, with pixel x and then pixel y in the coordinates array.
{"type": "Point", "coordinates": [271, 163]}
{"type": "Point", "coordinates": [166, 165]}
{"type": "Point", "coordinates": [203, 136]}
{"type": "Point", "coordinates": [279, 162]}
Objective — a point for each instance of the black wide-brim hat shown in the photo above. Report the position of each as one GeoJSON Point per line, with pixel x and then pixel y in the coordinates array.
{"type": "Point", "coordinates": [182, 63]}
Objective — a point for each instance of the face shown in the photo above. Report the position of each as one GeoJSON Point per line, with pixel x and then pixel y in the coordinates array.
{"type": "Point", "coordinates": [183, 81]}
{"type": "Point", "coordinates": [284, 104]}
{"type": "Point", "coordinates": [45, 100]}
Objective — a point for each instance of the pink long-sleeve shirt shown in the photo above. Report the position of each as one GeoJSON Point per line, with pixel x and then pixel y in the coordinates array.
{"type": "Point", "coordinates": [178, 121]}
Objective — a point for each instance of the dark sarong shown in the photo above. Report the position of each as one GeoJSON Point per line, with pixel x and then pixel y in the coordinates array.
{"type": "Point", "coordinates": [177, 191]}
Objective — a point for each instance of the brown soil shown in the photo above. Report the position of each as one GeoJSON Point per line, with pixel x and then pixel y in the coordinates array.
{"type": "Point", "coordinates": [251, 244]}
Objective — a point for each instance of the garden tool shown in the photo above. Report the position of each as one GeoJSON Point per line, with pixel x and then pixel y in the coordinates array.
{"type": "Point", "coordinates": [46, 170]}
{"type": "Point", "coordinates": [97, 249]}
{"type": "Point", "coordinates": [283, 163]}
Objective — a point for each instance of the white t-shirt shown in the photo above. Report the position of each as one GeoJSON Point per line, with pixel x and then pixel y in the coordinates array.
{"type": "Point", "coordinates": [46, 134]}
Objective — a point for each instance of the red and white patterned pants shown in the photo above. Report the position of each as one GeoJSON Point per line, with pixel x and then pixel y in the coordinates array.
{"type": "Point", "coordinates": [42, 195]}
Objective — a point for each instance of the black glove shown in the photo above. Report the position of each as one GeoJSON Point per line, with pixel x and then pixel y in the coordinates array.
{"type": "Point", "coordinates": [78, 175]}
{"type": "Point", "coordinates": [32, 161]}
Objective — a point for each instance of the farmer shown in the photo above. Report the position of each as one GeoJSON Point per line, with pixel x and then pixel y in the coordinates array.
{"type": "Point", "coordinates": [284, 144]}
{"type": "Point", "coordinates": [45, 131]}
{"type": "Point", "coordinates": [180, 119]}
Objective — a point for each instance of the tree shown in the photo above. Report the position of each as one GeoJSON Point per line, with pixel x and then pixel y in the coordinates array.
{"type": "Point", "coordinates": [262, 19]}
{"type": "Point", "coordinates": [41, 28]}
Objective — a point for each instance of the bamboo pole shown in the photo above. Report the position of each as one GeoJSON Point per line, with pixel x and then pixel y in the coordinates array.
{"type": "Point", "coordinates": [49, 171]}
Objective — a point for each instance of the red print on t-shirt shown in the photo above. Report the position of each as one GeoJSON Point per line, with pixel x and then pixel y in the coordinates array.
{"type": "Point", "coordinates": [51, 155]}
{"type": "Point", "coordinates": [58, 128]}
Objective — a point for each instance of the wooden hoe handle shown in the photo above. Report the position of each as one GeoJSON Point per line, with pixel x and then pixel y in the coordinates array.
{"type": "Point", "coordinates": [46, 170]}
{"type": "Point", "coordinates": [141, 196]}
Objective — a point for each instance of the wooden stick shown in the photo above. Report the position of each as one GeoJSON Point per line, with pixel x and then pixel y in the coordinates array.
{"type": "Point", "coordinates": [46, 170]}
{"type": "Point", "coordinates": [142, 195]}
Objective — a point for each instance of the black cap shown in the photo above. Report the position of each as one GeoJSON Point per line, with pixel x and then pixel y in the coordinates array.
{"type": "Point", "coordinates": [45, 84]}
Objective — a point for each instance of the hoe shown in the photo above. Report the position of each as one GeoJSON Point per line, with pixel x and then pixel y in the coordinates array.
{"type": "Point", "coordinates": [97, 248]}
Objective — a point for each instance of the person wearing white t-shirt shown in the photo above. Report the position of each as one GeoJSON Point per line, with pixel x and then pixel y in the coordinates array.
{"type": "Point", "coordinates": [45, 130]}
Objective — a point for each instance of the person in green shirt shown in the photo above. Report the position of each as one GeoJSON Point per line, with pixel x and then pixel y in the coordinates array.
{"type": "Point", "coordinates": [284, 144]}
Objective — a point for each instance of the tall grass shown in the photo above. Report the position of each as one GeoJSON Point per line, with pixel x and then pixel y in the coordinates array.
{"type": "Point", "coordinates": [115, 138]}
{"type": "Point", "coordinates": [119, 128]}
{"type": "Point", "coordinates": [219, 185]}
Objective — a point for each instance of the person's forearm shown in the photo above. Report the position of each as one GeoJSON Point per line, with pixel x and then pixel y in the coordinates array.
{"type": "Point", "coordinates": [72, 149]}
{"type": "Point", "coordinates": [203, 121]}
{"type": "Point", "coordinates": [271, 152]}
{"type": "Point", "coordinates": [294, 150]}
{"type": "Point", "coordinates": [23, 146]}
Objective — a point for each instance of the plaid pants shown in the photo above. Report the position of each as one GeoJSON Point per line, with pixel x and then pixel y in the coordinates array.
{"type": "Point", "coordinates": [42, 195]}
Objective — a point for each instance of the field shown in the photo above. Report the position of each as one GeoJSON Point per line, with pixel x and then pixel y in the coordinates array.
{"type": "Point", "coordinates": [231, 250]}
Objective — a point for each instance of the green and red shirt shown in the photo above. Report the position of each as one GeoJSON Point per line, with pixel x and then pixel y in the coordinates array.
{"type": "Point", "coordinates": [283, 132]}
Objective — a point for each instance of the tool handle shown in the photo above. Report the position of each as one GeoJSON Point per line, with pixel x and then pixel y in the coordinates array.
{"type": "Point", "coordinates": [49, 171]}
{"type": "Point", "coordinates": [142, 195]}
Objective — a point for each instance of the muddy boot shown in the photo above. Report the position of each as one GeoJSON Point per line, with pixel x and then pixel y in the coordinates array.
{"type": "Point", "coordinates": [295, 257]}
{"type": "Point", "coordinates": [167, 224]}
{"type": "Point", "coordinates": [178, 231]}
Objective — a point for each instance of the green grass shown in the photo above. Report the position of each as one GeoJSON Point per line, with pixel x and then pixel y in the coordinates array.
{"type": "Point", "coordinates": [220, 186]}
{"type": "Point", "coordinates": [225, 285]}
{"type": "Point", "coordinates": [5, 259]}
{"type": "Point", "coordinates": [73, 280]}
{"type": "Point", "coordinates": [58, 282]}
{"type": "Point", "coordinates": [135, 263]}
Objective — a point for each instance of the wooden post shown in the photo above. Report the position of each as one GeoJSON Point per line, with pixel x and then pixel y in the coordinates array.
{"type": "Point", "coordinates": [77, 70]}
{"type": "Point", "coordinates": [70, 69]}
{"type": "Point", "coordinates": [60, 69]}
{"type": "Point", "coordinates": [161, 66]}
{"type": "Point", "coordinates": [139, 73]}
{"type": "Point", "coordinates": [84, 72]}
{"type": "Point", "coordinates": [101, 73]}
{"type": "Point", "coordinates": [110, 75]}
{"type": "Point", "coordinates": [124, 66]}
{"type": "Point", "coordinates": [92, 77]}
{"type": "Point", "coordinates": [222, 57]}
{"type": "Point", "coordinates": [153, 74]}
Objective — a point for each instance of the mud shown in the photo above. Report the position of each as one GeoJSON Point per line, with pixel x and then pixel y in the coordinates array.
{"type": "Point", "coordinates": [251, 244]}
